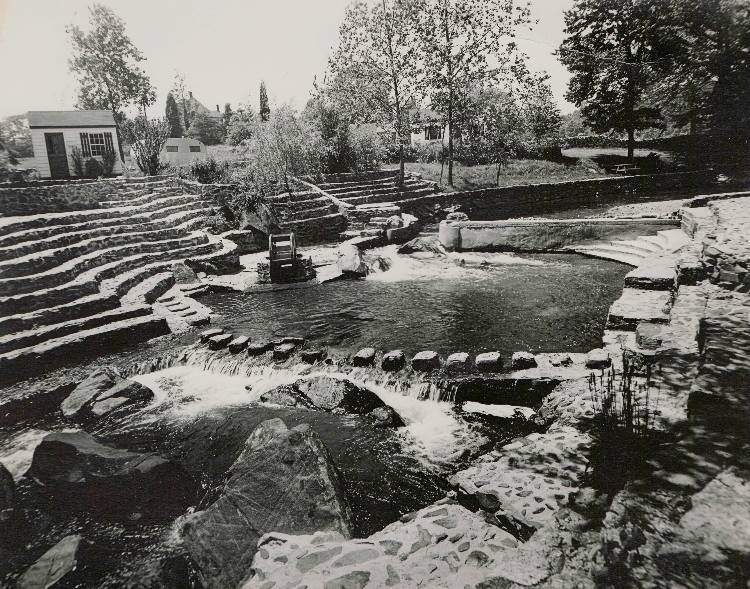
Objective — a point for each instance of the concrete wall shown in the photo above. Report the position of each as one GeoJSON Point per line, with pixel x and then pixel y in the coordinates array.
{"type": "Point", "coordinates": [542, 235]}
{"type": "Point", "coordinates": [72, 137]}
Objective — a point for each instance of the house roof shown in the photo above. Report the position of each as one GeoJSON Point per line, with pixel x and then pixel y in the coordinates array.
{"type": "Point", "coordinates": [71, 118]}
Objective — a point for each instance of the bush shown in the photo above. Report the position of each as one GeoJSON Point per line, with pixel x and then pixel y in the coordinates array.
{"type": "Point", "coordinates": [209, 171]}
{"type": "Point", "coordinates": [93, 168]}
{"type": "Point", "coordinates": [108, 161]}
{"type": "Point", "coordinates": [78, 164]}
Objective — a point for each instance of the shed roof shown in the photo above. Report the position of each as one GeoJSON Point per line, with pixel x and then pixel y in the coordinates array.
{"type": "Point", "coordinates": [71, 118]}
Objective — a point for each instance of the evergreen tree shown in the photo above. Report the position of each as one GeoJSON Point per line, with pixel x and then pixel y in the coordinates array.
{"type": "Point", "coordinates": [173, 117]}
{"type": "Point", "coordinates": [265, 110]}
{"type": "Point", "coordinates": [227, 118]}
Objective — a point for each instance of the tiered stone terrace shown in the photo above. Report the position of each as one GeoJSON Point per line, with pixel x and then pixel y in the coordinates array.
{"type": "Point", "coordinates": [82, 280]}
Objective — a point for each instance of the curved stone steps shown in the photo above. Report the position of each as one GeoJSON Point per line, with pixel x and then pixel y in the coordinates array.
{"type": "Point", "coordinates": [297, 205]}
{"type": "Point", "coordinates": [645, 247]}
{"type": "Point", "coordinates": [674, 239]}
{"type": "Point", "coordinates": [67, 271]}
{"type": "Point", "coordinates": [47, 259]}
{"type": "Point", "coordinates": [38, 335]}
{"type": "Point", "coordinates": [623, 255]}
{"type": "Point", "coordinates": [98, 341]}
{"type": "Point", "coordinates": [391, 197]}
{"type": "Point", "coordinates": [637, 305]}
{"type": "Point", "coordinates": [156, 218]}
{"type": "Point", "coordinates": [317, 229]}
{"type": "Point", "coordinates": [148, 290]}
{"type": "Point", "coordinates": [387, 188]}
{"type": "Point", "coordinates": [311, 213]}
{"type": "Point", "coordinates": [141, 199]}
{"type": "Point", "coordinates": [328, 186]}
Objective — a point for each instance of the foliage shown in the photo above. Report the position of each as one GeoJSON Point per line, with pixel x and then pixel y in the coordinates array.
{"type": "Point", "coordinates": [226, 118]}
{"type": "Point", "coordinates": [209, 171]}
{"type": "Point", "coordinates": [16, 136]}
{"type": "Point", "coordinates": [265, 110]}
{"type": "Point", "coordinates": [7, 161]}
{"type": "Point", "coordinates": [108, 162]}
{"type": "Point", "coordinates": [465, 44]}
{"type": "Point", "coordinates": [374, 72]}
{"type": "Point", "coordinates": [179, 91]}
{"type": "Point", "coordinates": [240, 126]}
{"type": "Point", "coordinates": [173, 117]}
{"type": "Point", "coordinates": [610, 49]}
{"type": "Point", "coordinates": [147, 139]}
{"type": "Point", "coordinates": [367, 148]}
{"type": "Point", "coordinates": [93, 168]}
{"type": "Point", "coordinates": [206, 129]}
{"type": "Point", "coordinates": [77, 156]}
{"type": "Point", "coordinates": [106, 64]}
{"type": "Point", "coordinates": [322, 115]}
{"type": "Point", "coordinates": [573, 125]}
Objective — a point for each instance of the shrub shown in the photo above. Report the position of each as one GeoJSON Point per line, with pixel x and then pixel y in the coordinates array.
{"type": "Point", "coordinates": [78, 164]}
{"type": "Point", "coordinates": [147, 139]}
{"type": "Point", "coordinates": [209, 171]}
{"type": "Point", "coordinates": [93, 168]}
{"type": "Point", "coordinates": [108, 161]}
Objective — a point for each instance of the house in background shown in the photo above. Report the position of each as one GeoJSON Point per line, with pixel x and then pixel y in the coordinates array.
{"type": "Point", "coordinates": [54, 134]}
{"type": "Point", "coordinates": [194, 107]}
{"type": "Point", "coordinates": [427, 127]}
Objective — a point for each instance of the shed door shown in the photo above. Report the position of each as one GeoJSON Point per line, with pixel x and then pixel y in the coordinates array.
{"type": "Point", "coordinates": [58, 159]}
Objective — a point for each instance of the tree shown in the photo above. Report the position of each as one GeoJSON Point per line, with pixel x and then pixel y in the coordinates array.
{"type": "Point", "coordinates": [333, 127]}
{"type": "Point", "coordinates": [173, 117]}
{"type": "Point", "coordinates": [464, 44]}
{"type": "Point", "coordinates": [206, 129]}
{"type": "Point", "coordinates": [180, 93]}
{"type": "Point", "coordinates": [226, 118]}
{"type": "Point", "coordinates": [241, 125]}
{"type": "Point", "coordinates": [611, 49]}
{"type": "Point", "coordinates": [265, 110]}
{"type": "Point", "coordinates": [147, 139]}
{"type": "Point", "coordinates": [106, 64]}
{"type": "Point", "coordinates": [374, 70]}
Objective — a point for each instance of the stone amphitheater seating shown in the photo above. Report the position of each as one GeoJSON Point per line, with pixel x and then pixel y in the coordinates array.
{"type": "Point", "coordinates": [81, 281]}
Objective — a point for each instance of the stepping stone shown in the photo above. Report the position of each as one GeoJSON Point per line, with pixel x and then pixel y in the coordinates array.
{"type": "Point", "coordinates": [313, 355]}
{"type": "Point", "coordinates": [598, 358]}
{"type": "Point", "coordinates": [178, 308]}
{"type": "Point", "coordinates": [209, 333]}
{"type": "Point", "coordinates": [364, 357]}
{"type": "Point", "coordinates": [393, 361]}
{"type": "Point", "coordinates": [488, 362]}
{"type": "Point", "coordinates": [258, 349]}
{"type": "Point", "coordinates": [197, 321]}
{"type": "Point", "coordinates": [219, 341]}
{"type": "Point", "coordinates": [426, 360]}
{"type": "Point", "coordinates": [238, 344]}
{"type": "Point", "coordinates": [293, 340]}
{"type": "Point", "coordinates": [522, 360]}
{"type": "Point", "coordinates": [458, 361]}
{"type": "Point", "coordinates": [187, 313]}
{"type": "Point", "coordinates": [165, 299]}
{"type": "Point", "coordinates": [649, 336]}
{"type": "Point", "coordinates": [283, 351]}
{"type": "Point", "coordinates": [561, 360]}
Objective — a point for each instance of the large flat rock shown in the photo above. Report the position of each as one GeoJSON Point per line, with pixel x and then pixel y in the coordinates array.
{"type": "Point", "coordinates": [637, 305]}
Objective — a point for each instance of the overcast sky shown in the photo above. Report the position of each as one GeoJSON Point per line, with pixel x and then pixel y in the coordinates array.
{"type": "Point", "coordinates": [224, 48]}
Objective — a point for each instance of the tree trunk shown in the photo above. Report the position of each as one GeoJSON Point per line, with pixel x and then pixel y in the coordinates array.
{"type": "Point", "coordinates": [450, 139]}
{"type": "Point", "coordinates": [119, 141]}
{"type": "Point", "coordinates": [497, 175]}
{"type": "Point", "coordinates": [631, 144]}
{"type": "Point", "coordinates": [401, 163]}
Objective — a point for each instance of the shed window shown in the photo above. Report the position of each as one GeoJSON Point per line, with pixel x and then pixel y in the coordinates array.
{"type": "Point", "coordinates": [195, 148]}
{"type": "Point", "coordinates": [433, 132]}
{"type": "Point", "coordinates": [96, 143]}
{"type": "Point", "coordinates": [172, 148]}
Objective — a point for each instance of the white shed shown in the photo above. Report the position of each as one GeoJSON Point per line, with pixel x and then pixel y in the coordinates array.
{"type": "Point", "coordinates": [54, 134]}
{"type": "Point", "coordinates": [179, 151]}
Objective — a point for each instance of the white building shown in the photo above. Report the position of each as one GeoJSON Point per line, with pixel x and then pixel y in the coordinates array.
{"type": "Point", "coordinates": [54, 134]}
{"type": "Point", "coordinates": [182, 151]}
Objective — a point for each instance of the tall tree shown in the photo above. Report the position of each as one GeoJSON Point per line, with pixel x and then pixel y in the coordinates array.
{"type": "Point", "coordinates": [226, 118]}
{"type": "Point", "coordinates": [206, 129]}
{"type": "Point", "coordinates": [147, 139]}
{"type": "Point", "coordinates": [611, 49]}
{"type": "Point", "coordinates": [464, 44]}
{"type": "Point", "coordinates": [173, 117]}
{"type": "Point", "coordinates": [106, 64]}
{"type": "Point", "coordinates": [374, 69]}
{"type": "Point", "coordinates": [241, 125]}
{"type": "Point", "coordinates": [180, 92]}
{"type": "Point", "coordinates": [265, 110]}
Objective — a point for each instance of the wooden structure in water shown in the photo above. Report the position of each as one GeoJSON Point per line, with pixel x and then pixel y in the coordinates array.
{"type": "Point", "coordinates": [284, 263]}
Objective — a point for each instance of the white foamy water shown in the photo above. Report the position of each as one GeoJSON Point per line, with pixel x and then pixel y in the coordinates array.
{"type": "Point", "coordinates": [433, 432]}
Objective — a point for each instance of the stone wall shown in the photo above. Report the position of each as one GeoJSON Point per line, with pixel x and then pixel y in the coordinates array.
{"type": "Point", "coordinates": [542, 235]}
{"type": "Point", "coordinates": [30, 198]}
{"type": "Point", "coordinates": [518, 201]}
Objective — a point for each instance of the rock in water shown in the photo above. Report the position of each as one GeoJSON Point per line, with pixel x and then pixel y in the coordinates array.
{"type": "Point", "coordinates": [283, 481]}
{"type": "Point", "coordinates": [385, 417]}
{"type": "Point", "coordinates": [101, 392]}
{"type": "Point", "coordinates": [429, 245]}
{"type": "Point", "coordinates": [52, 566]}
{"type": "Point", "coordinates": [350, 260]}
{"type": "Point", "coordinates": [7, 495]}
{"type": "Point", "coordinates": [183, 274]}
{"type": "Point", "coordinates": [325, 392]}
{"type": "Point", "coordinates": [106, 479]}
{"type": "Point", "coordinates": [457, 216]}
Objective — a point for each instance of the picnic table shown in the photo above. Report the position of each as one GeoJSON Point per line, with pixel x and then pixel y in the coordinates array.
{"type": "Point", "coordinates": [626, 169]}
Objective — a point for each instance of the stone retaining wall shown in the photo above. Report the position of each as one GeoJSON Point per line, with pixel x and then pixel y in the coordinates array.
{"type": "Point", "coordinates": [517, 201]}
{"type": "Point", "coordinates": [43, 197]}
{"type": "Point", "coordinates": [542, 235]}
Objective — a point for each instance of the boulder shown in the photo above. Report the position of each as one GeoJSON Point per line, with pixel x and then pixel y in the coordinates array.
{"type": "Point", "coordinates": [258, 348]}
{"type": "Point", "coordinates": [394, 221]}
{"type": "Point", "coordinates": [364, 357]}
{"type": "Point", "coordinates": [220, 341]}
{"type": "Point", "coordinates": [377, 264]}
{"type": "Point", "coordinates": [500, 411]}
{"type": "Point", "coordinates": [283, 351]}
{"type": "Point", "coordinates": [393, 360]}
{"type": "Point", "coordinates": [522, 360]}
{"type": "Point", "coordinates": [329, 393]}
{"type": "Point", "coordinates": [183, 274]}
{"type": "Point", "coordinates": [7, 495]}
{"type": "Point", "coordinates": [107, 479]}
{"type": "Point", "coordinates": [426, 360]}
{"type": "Point", "coordinates": [313, 355]}
{"type": "Point", "coordinates": [286, 396]}
{"type": "Point", "coordinates": [458, 361]}
{"type": "Point", "coordinates": [561, 360]}
{"type": "Point", "coordinates": [598, 358]}
{"type": "Point", "coordinates": [53, 565]}
{"type": "Point", "coordinates": [350, 260]}
{"type": "Point", "coordinates": [283, 481]}
{"type": "Point", "coordinates": [385, 417]}
{"type": "Point", "coordinates": [488, 362]}
{"type": "Point", "coordinates": [425, 245]}
{"type": "Point", "coordinates": [209, 333]}
{"type": "Point", "coordinates": [238, 344]}
{"type": "Point", "coordinates": [103, 391]}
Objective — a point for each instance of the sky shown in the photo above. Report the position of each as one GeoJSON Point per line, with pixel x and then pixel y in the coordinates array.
{"type": "Point", "coordinates": [224, 48]}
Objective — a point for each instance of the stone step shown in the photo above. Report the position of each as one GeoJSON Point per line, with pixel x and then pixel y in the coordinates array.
{"type": "Point", "coordinates": [645, 247]}
{"type": "Point", "coordinates": [328, 186]}
{"type": "Point", "coordinates": [145, 198]}
{"type": "Point", "coordinates": [69, 270]}
{"type": "Point", "coordinates": [636, 305]}
{"type": "Point", "coordinates": [33, 337]}
{"type": "Point", "coordinates": [149, 290]}
{"type": "Point", "coordinates": [610, 253]}
{"type": "Point", "coordinates": [674, 239]}
{"type": "Point", "coordinates": [301, 205]}
{"type": "Point", "coordinates": [391, 187]}
{"type": "Point", "coordinates": [656, 273]}
{"type": "Point", "coordinates": [317, 230]}
{"type": "Point", "coordinates": [391, 197]}
{"type": "Point", "coordinates": [72, 234]}
{"type": "Point", "coordinates": [31, 361]}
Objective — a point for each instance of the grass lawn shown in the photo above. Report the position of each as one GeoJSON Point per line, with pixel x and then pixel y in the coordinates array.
{"type": "Point", "coordinates": [516, 172]}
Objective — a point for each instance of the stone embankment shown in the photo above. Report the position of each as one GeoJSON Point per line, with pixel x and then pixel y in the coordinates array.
{"type": "Point", "coordinates": [82, 280]}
